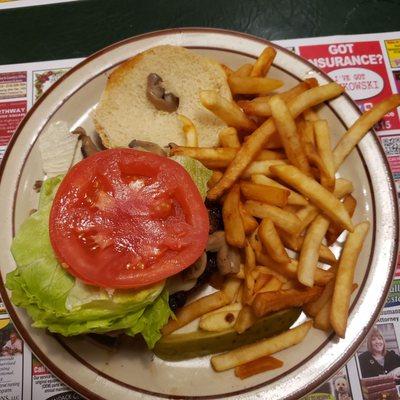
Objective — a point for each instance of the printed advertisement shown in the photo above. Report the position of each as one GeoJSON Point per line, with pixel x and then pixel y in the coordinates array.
{"type": "Point", "coordinates": [360, 68]}
{"type": "Point", "coordinates": [11, 114]}
{"type": "Point", "coordinates": [393, 50]}
{"type": "Point", "coordinates": [46, 386]}
{"type": "Point", "coordinates": [12, 85]}
{"type": "Point", "coordinates": [11, 362]}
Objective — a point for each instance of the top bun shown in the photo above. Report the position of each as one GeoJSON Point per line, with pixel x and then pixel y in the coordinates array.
{"type": "Point", "coordinates": [125, 113]}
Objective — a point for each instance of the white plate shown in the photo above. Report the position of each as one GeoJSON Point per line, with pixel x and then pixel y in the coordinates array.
{"type": "Point", "coordinates": [128, 372]}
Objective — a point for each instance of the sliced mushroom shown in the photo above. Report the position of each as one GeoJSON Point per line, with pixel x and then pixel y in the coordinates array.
{"type": "Point", "coordinates": [228, 260]}
{"type": "Point", "coordinates": [157, 96]}
{"type": "Point", "coordinates": [215, 241]}
{"type": "Point", "coordinates": [147, 146]}
{"type": "Point", "coordinates": [88, 148]}
{"type": "Point", "coordinates": [196, 269]}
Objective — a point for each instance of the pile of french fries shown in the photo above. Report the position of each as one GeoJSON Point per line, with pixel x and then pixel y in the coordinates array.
{"type": "Point", "coordinates": [283, 206]}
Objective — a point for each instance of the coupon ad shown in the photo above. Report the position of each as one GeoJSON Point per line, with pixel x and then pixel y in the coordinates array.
{"type": "Point", "coordinates": [360, 68]}
{"type": "Point", "coordinates": [11, 114]}
{"type": "Point", "coordinates": [46, 387]}
{"type": "Point", "coordinates": [12, 85]}
{"type": "Point", "coordinates": [11, 362]}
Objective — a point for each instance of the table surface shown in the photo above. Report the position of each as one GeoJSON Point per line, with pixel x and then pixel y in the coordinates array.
{"type": "Point", "coordinates": [77, 29]}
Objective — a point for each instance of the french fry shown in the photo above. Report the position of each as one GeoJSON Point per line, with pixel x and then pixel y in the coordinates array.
{"type": "Point", "coordinates": [323, 143]}
{"type": "Point", "coordinates": [243, 71]}
{"type": "Point", "coordinates": [344, 278]}
{"type": "Point", "coordinates": [287, 221]}
{"type": "Point", "coordinates": [215, 177]}
{"type": "Point", "coordinates": [273, 285]}
{"type": "Point", "coordinates": [250, 85]}
{"type": "Point", "coordinates": [310, 115]}
{"type": "Point", "coordinates": [231, 288]}
{"type": "Point", "coordinates": [265, 347]}
{"type": "Point", "coordinates": [192, 139]}
{"type": "Point", "coordinates": [288, 132]}
{"type": "Point", "coordinates": [342, 187]}
{"type": "Point", "coordinates": [264, 62]}
{"type": "Point", "coordinates": [227, 110]}
{"type": "Point", "coordinates": [289, 270]}
{"type": "Point", "coordinates": [194, 310]}
{"type": "Point", "coordinates": [296, 242]}
{"type": "Point", "coordinates": [269, 271]}
{"type": "Point", "coordinates": [268, 302]}
{"type": "Point", "coordinates": [260, 105]}
{"type": "Point", "coordinates": [316, 193]}
{"type": "Point", "coordinates": [265, 194]}
{"type": "Point", "coordinates": [220, 157]}
{"type": "Point", "coordinates": [309, 252]}
{"type": "Point", "coordinates": [249, 222]}
{"type": "Point", "coordinates": [260, 137]}
{"type": "Point", "coordinates": [261, 281]}
{"type": "Point", "coordinates": [249, 265]}
{"type": "Point", "coordinates": [245, 319]}
{"type": "Point", "coordinates": [255, 241]}
{"type": "Point", "coordinates": [227, 70]}
{"type": "Point", "coordinates": [293, 199]}
{"type": "Point", "coordinates": [262, 364]}
{"type": "Point", "coordinates": [221, 319]}
{"type": "Point", "coordinates": [363, 124]}
{"type": "Point", "coordinates": [234, 229]}
{"type": "Point", "coordinates": [229, 138]}
{"type": "Point", "coordinates": [262, 167]}
{"type": "Point", "coordinates": [335, 231]}
{"type": "Point", "coordinates": [314, 307]}
{"type": "Point", "coordinates": [271, 241]}
{"type": "Point", "coordinates": [322, 318]}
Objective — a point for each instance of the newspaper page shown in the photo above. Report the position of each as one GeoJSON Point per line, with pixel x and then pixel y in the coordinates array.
{"type": "Point", "coordinates": [369, 67]}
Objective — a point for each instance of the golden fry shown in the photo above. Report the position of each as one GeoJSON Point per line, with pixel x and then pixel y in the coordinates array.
{"type": "Point", "coordinates": [287, 129]}
{"type": "Point", "coordinates": [293, 199]}
{"type": "Point", "coordinates": [265, 347]}
{"type": "Point", "coordinates": [249, 222]}
{"type": "Point", "coordinates": [335, 231]}
{"type": "Point", "coordinates": [260, 105]}
{"type": "Point", "coordinates": [314, 307]}
{"type": "Point", "coordinates": [262, 364]}
{"type": "Point", "coordinates": [323, 143]}
{"type": "Point", "coordinates": [273, 285]}
{"type": "Point", "coordinates": [363, 124]}
{"type": "Point", "coordinates": [262, 167]}
{"type": "Point", "coordinates": [249, 85]}
{"type": "Point", "coordinates": [344, 278]}
{"type": "Point", "coordinates": [245, 319]}
{"type": "Point", "coordinates": [243, 71]}
{"type": "Point", "coordinates": [268, 302]}
{"type": "Point", "coordinates": [194, 310]}
{"type": "Point", "coordinates": [227, 110]}
{"type": "Point", "coordinates": [234, 229]}
{"type": "Point", "coordinates": [265, 194]}
{"type": "Point", "coordinates": [192, 138]}
{"type": "Point", "coordinates": [316, 193]}
{"type": "Point", "coordinates": [263, 63]}
{"type": "Point", "coordinates": [309, 252]}
{"type": "Point", "coordinates": [271, 241]}
{"type": "Point", "coordinates": [215, 177]}
{"type": "Point", "coordinates": [229, 138]}
{"type": "Point", "coordinates": [289, 270]}
{"type": "Point", "coordinates": [220, 320]}
{"type": "Point", "coordinates": [286, 220]}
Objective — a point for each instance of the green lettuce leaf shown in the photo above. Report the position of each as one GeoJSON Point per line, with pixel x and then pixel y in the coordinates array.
{"type": "Point", "coordinates": [63, 304]}
{"type": "Point", "coordinates": [197, 171]}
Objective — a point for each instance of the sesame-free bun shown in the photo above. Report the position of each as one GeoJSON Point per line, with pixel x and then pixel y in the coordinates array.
{"type": "Point", "coordinates": [125, 113]}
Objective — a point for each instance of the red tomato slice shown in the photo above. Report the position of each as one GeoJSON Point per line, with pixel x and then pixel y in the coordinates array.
{"type": "Point", "coordinates": [125, 218]}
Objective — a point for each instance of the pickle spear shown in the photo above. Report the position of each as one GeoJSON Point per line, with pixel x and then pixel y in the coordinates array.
{"type": "Point", "coordinates": [182, 346]}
